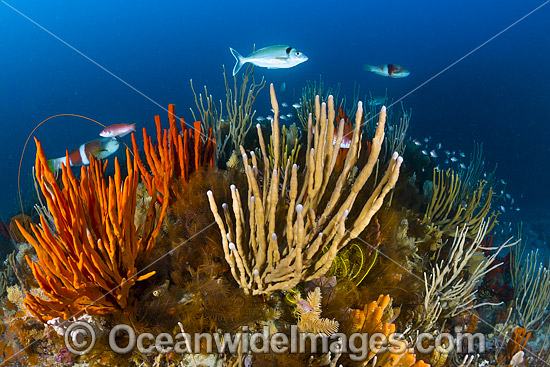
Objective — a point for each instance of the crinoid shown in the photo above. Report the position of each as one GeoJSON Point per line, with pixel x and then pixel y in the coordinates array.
{"type": "Point", "coordinates": [309, 315]}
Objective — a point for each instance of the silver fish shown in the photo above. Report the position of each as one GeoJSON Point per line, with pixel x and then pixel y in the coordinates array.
{"type": "Point", "coordinates": [296, 105]}
{"type": "Point", "coordinates": [272, 57]}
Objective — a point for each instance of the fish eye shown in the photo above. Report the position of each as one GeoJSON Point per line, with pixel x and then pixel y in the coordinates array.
{"type": "Point", "coordinates": [297, 53]}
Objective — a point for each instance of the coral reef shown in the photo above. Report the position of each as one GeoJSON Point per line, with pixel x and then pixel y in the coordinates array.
{"type": "Point", "coordinates": [343, 205]}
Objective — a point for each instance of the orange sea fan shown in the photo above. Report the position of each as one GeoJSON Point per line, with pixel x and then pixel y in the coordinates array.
{"type": "Point", "coordinates": [89, 263]}
{"type": "Point", "coordinates": [176, 154]}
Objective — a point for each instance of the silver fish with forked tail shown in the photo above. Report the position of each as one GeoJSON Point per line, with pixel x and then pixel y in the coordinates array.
{"type": "Point", "coordinates": [272, 57]}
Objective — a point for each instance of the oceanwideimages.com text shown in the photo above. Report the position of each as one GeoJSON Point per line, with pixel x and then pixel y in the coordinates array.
{"type": "Point", "coordinates": [80, 339]}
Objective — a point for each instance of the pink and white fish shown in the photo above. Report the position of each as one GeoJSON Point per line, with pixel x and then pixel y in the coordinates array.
{"type": "Point", "coordinates": [388, 70]}
{"type": "Point", "coordinates": [304, 306]}
{"type": "Point", "coordinates": [117, 130]}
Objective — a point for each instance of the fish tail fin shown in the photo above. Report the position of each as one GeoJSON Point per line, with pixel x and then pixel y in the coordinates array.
{"type": "Point", "coordinates": [240, 61]}
{"type": "Point", "coordinates": [369, 67]}
{"type": "Point", "coordinates": [55, 163]}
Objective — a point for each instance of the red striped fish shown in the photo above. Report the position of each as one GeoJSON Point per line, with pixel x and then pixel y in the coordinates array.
{"type": "Point", "coordinates": [99, 148]}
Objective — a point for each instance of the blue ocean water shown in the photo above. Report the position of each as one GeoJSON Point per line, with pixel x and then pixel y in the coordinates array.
{"type": "Point", "coordinates": [499, 95]}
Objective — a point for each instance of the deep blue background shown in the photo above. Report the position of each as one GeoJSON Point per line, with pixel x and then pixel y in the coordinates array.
{"type": "Point", "coordinates": [499, 95]}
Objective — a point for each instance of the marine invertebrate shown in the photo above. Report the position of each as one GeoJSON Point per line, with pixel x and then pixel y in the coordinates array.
{"type": "Point", "coordinates": [18, 268]}
{"type": "Point", "coordinates": [406, 359]}
{"type": "Point", "coordinates": [174, 155]}
{"type": "Point", "coordinates": [211, 118]}
{"type": "Point", "coordinates": [516, 343]}
{"type": "Point", "coordinates": [447, 210]}
{"type": "Point", "coordinates": [5, 278]}
{"type": "Point", "coordinates": [531, 283]}
{"type": "Point", "coordinates": [88, 264]}
{"type": "Point", "coordinates": [307, 101]}
{"type": "Point", "coordinates": [377, 317]}
{"type": "Point", "coordinates": [354, 262]}
{"type": "Point", "coordinates": [25, 221]}
{"type": "Point", "coordinates": [309, 315]}
{"type": "Point", "coordinates": [284, 236]}
{"type": "Point", "coordinates": [449, 291]}
{"type": "Point", "coordinates": [238, 104]}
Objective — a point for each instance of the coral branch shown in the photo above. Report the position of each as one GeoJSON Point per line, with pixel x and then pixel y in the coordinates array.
{"type": "Point", "coordinates": [175, 155]}
{"type": "Point", "coordinates": [89, 263]}
{"type": "Point", "coordinates": [278, 238]}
